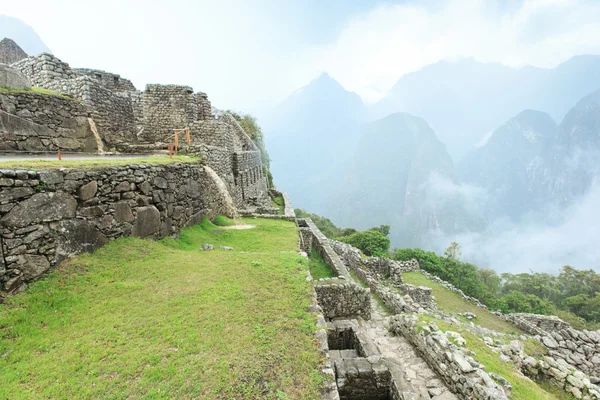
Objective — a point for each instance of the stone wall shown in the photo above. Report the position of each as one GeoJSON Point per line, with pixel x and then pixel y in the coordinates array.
{"type": "Point", "coordinates": [322, 245]}
{"type": "Point", "coordinates": [35, 122]}
{"type": "Point", "coordinates": [340, 298]}
{"type": "Point", "coordinates": [461, 372]}
{"type": "Point", "coordinates": [49, 215]}
{"type": "Point", "coordinates": [168, 107]}
{"type": "Point", "coordinates": [581, 349]}
{"type": "Point", "coordinates": [112, 82]}
{"type": "Point", "coordinates": [10, 52]}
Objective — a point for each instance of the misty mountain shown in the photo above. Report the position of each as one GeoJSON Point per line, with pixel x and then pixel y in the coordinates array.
{"type": "Point", "coordinates": [400, 175]}
{"type": "Point", "coordinates": [503, 165]}
{"type": "Point", "coordinates": [529, 164]}
{"type": "Point", "coordinates": [309, 136]}
{"type": "Point", "coordinates": [22, 34]}
{"type": "Point", "coordinates": [464, 100]}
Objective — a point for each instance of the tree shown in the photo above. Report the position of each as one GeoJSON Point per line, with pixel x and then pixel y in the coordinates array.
{"type": "Point", "coordinates": [491, 280]}
{"type": "Point", "coordinates": [372, 243]}
{"type": "Point", "coordinates": [453, 251]}
{"type": "Point", "coordinates": [384, 229]}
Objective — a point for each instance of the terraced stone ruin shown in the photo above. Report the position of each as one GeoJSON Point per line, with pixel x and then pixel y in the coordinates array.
{"type": "Point", "coordinates": [380, 336]}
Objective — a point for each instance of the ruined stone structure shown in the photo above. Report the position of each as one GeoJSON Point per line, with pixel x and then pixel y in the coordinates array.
{"type": "Point", "coordinates": [49, 215]}
{"type": "Point", "coordinates": [120, 118]}
{"type": "Point", "coordinates": [10, 52]}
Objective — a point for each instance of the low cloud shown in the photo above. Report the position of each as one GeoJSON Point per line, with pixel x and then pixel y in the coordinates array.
{"type": "Point", "coordinates": [376, 48]}
{"type": "Point", "coordinates": [508, 246]}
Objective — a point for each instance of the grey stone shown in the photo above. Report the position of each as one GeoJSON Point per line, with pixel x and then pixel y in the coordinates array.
{"type": "Point", "coordinates": [13, 78]}
{"type": "Point", "coordinates": [51, 177]}
{"type": "Point", "coordinates": [147, 221]}
{"type": "Point", "coordinates": [207, 247]}
{"type": "Point", "coordinates": [51, 206]}
{"type": "Point", "coordinates": [78, 236]}
{"type": "Point", "coordinates": [226, 248]}
{"type": "Point", "coordinates": [33, 266]}
{"type": "Point", "coordinates": [123, 212]}
{"type": "Point", "coordinates": [88, 191]}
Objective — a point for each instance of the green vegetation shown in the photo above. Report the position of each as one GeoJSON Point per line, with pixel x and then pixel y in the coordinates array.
{"type": "Point", "coordinates": [221, 220]}
{"type": "Point", "coordinates": [37, 90]}
{"type": "Point", "coordinates": [371, 242]}
{"type": "Point", "coordinates": [573, 295]}
{"type": "Point", "coordinates": [95, 163]}
{"type": "Point", "coordinates": [249, 124]}
{"type": "Point", "coordinates": [453, 303]}
{"type": "Point", "coordinates": [278, 202]}
{"type": "Point", "coordinates": [145, 319]}
{"type": "Point", "coordinates": [318, 267]}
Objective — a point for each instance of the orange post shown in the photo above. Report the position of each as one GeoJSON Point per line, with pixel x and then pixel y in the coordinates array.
{"type": "Point", "coordinates": [187, 135]}
{"type": "Point", "coordinates": [176, 142]}
{"type": "Point", "coordinates": [59, 156]}
{"type": "Point", "coordinates": [170, 151]}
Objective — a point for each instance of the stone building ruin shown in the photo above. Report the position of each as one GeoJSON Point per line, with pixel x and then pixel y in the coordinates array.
{"type": "Point", "coordinates": [100, 112]}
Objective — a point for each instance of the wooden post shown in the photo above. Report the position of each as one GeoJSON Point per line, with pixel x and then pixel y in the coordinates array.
{"type": "Point", "coordinates": [176, 142]}
{"type": "Point", "coordinates": [170, 151]}
{"type": "Point", "coordinates": [187, 135]}
{"type": "Point", "coordinates": [59, 156]}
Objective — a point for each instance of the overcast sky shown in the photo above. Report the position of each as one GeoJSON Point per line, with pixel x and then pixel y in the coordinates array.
{"type": "Point", "coordinates": [250, 54]}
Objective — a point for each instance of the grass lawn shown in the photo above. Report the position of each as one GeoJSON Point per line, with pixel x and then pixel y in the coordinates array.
{"type": "Point", "coordinates": [94, 163]}
{"type": "Point", "coordinates": [145, 319]}
{"type": "Point", "coordinates": [453, 303]}
{"type": "Point", "coordinates": [523, 388]}
{"type": "Point", "coordinates": [318, 267]}
{"type": "Point", "coordinates": [35, 89]}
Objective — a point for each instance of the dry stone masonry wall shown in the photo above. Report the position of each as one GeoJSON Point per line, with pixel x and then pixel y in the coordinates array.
{"type": "Point", "coordinates": [126, 120]}
{"type": "Point", "coordinates": [49, 215]}
{"type": "Point", "coordinates": [36, 122]}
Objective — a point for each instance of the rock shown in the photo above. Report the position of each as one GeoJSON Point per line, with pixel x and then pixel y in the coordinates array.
{"type": "Point", "coordinates": [488, 340]}
{"type": "Point", "coordinates": [549, 342]}
{"type": "Point", "coordinates": [462, 363]}
{"type": "Point", "coordinates": [123, 212]}
{"type": "Point", "coordinates": [457, 337]}
{"type": "Point", "coordinates": [147, 221]}
{"type": "Point", "coordinates": [33, 266]}
{"type": "Point", "coordinates": [13, 78]}
{"type": "Point", "coordinates": [226, 248]}
{"type": "Point", "coordinates": [161, 182]}
{"type": "Point", "coordinates": [50, 206]}
{"type": "Point", "coordinates": [78, 236]}
{"type": "Point", "coordinates": [51, 177]}
{"type": "Point", "coordinates": [87, 191]}
{"type": "Point", "coordinates": [207, 247]}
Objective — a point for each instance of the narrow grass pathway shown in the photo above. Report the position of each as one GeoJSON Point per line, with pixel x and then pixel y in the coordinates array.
{"type": "Point", "coordinates": [144, 319]}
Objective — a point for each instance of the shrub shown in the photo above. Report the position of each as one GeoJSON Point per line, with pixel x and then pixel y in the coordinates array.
{"type": "Point", "coordinates": [372, 243]}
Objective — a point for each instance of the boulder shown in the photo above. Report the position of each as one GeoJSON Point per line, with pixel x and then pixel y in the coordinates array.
{"type": "Point", "coordinates": [147, 222]}
{"type": "Point", "coordinates": [33, 266]}
{"type": "Point", "coordinates": [13, 78]}
{"type": "Point", "coordinates": [78, 236]}
{"type": "Point", "coordinates": [49, 206]}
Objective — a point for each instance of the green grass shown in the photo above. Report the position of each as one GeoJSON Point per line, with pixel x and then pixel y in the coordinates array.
{"type": "Point", "coordinates": [38, 90]}
{"type": "Point", "coordinates": [95, 163]}
{"type": "Point", "coordinates": [523, 388]}
{"type": "Point", "coordinates": [278, 202]}
{"type": "Point", "coordinates": [221, 220]}
{"type": "Point", "coordinates": [145, 319]}
{"type": "Point", "coordinates": [453, 303]}
{"type": "Point", "coordinates": [318, 267]}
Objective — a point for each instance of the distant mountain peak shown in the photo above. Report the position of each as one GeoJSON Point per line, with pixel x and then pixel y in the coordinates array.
{"type": "Point", "coordinates": [24, 35]}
